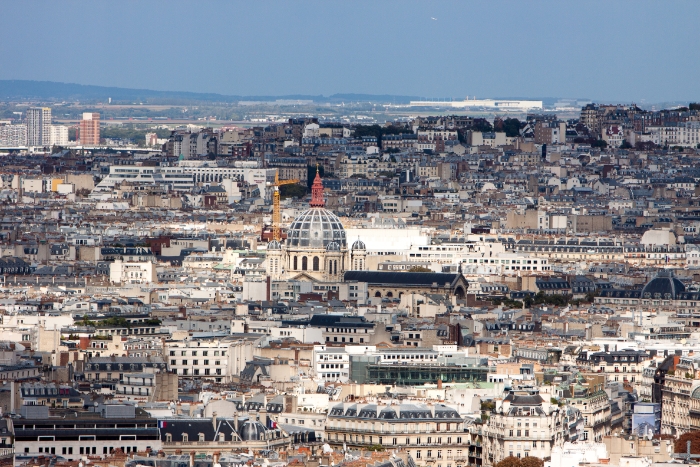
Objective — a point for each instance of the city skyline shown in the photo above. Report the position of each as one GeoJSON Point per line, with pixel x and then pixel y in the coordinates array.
{"type": "Point", "coordinates": [500, 49]}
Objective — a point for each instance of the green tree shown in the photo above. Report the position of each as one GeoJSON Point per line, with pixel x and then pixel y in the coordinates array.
{"type": "Point", "coordinates": [86, 321]}
{"type": "Point", "coordinates": [512, 127]}
{"type": "Point", "coordinates": [419, 269]}
{"type": "Point", "coordinates": [481, 124]}
{"type": "Point", "coordinates": [590, 296]}
{"type": "Point", "coordinates": [378, 131]}
{"type": "Point", "coordinates": [625, 145]}
{"type": "Point", "coordinates": [488, 406]}
{"type": "Point", "coordinates": [599, 143]}
{"type": "Point", "coordinates": [292, 191]}
{"type": "Point", "coordinates": [644, 146]}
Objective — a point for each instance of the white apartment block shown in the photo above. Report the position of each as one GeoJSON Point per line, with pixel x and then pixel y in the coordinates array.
{"type": "Point", "coordinates": [480, 257]}
{"type": "Point", "coordinates": [219, 360]}
{"type": "Point", "coordinates": [59, 135]}
{"type": "Point", "coordinates": [121, 272]}
{"type": "Point", "coordinates": [13, 136]}
{"type": "Point", "coordinates": [331, 363]}
{"type": "Point", "coordinates": [523, 425]}
{"type": "Point", "coordinates": [681, 134]}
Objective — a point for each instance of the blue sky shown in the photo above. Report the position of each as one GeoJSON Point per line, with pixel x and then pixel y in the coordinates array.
{"type": "Point", "coordinates": [643, 51]}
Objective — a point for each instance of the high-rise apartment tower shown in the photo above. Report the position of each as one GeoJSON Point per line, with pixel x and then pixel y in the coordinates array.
{"type": "Point", "coordinates": [39, 126]}
{"type": "Point", "coordinates": [90, 129]}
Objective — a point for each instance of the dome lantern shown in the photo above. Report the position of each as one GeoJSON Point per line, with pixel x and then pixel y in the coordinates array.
{"type": "Point", "coordinates": [317, 191]}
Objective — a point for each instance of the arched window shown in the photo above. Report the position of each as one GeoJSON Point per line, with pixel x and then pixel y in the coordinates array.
{"type": "Point", "coordinates": [316, 265]}
{"type": "Point", "coordinates": [389, 294]}
{"type": "Point", "coordinates": [304, 263]}
{"type": "Point", "coordinates": [377, 294]}
{"type": "Point", "coordinates": [295, 263]}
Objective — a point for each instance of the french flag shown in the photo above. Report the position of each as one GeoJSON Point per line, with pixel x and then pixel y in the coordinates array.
{"type": "Point", "coordinates": [162, 424]}
{"type": "Point", "coordinates": [272, 423]}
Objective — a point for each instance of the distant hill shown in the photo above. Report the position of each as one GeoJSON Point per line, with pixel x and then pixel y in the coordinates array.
{"type": "Point", "coordinates": [54, 91]}
{"type": "Point", "coordinates": [50, 90]}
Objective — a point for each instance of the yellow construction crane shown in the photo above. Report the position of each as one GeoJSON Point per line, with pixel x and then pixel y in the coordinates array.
{"type": "Point", "coordinates": [276, 215]}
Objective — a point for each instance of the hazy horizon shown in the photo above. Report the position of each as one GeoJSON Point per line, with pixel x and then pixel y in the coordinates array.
{"type": "Point", "coordinates": [638, 51]}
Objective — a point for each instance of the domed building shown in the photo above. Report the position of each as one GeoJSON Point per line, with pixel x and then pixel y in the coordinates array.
{"type": "Point", "coordinates": [663, 292]}
{"type": "Point", "coordinates": [665, 285]}
{"type": "Point", "coordinates": [316, 245]}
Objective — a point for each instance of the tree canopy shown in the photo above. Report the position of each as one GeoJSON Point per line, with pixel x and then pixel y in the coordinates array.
{"type": "Point", "coordinates": [292, 191]}
{"type": "Point", "coordinates": [420, 269]}
{"type": "Point", "coordinates": [531, 461]}
{"type": "Point", "coordinates": [511, 126]}
{"type": "Point", "coordinates": [481, 124]}
{"type": "Point", "coordinates": [379, 131]}
{"type": "Point", "coordinates": [681, 444]}
{"type": "Point", "coordinates": [512, 461]}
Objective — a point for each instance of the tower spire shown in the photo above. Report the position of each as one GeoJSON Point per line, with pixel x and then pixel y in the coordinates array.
{"type": "Point", "coordinates": [317, 191]}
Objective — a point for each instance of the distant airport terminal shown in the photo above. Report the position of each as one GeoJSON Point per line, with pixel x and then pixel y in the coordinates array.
{"type": "Point", "coordinates": [493, 104]}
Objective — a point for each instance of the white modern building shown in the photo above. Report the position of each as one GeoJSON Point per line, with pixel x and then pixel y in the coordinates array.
{"type": "Point", "coordinates": [493, 104]}
{"type": "Point", "coordinates": [59, 135]}
{"type": "Point", "coordinates": [184, 176]}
